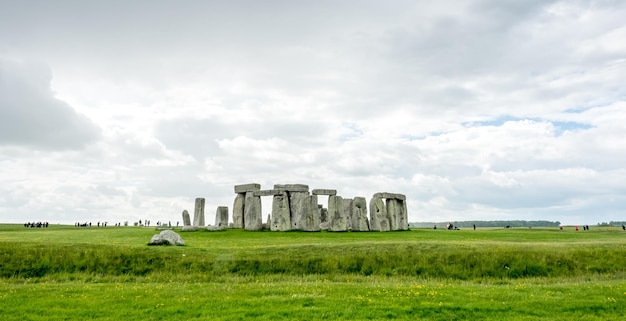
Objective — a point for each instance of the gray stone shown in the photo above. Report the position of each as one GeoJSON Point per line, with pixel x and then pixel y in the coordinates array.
{"type": "Point", "coordinates": [336, 216]}
{"type": "Point", "coordinates": [198, 213]}
{"type": "Point", "coordinates": [281, 219]}
{"type": "Point", "coordinates": [324, 215]}
{"type": "Point", "coordinates": [329, 192]}
{"type": "Point", "coordinates": [403, 216]}
{"type": "Point", "coordinates": [378, 215]}
{"type": "Point", "coordinates": [214, 228]}
{"type": "Point", "coordinates": [390, 196]}
{"type": "Point", "coordinates": [190, 228]}
{"type": "Point", "coordinates": [359, 215]}
{"type": "Point", "coordinates": [310, 221]}
{"type": "Point", "coordinates": [324, 226]}
{"type": "Point", "coordinates": [167, 237]}
{"type": "Point", "coordinates": [238, 207]}
{"type": "Point", "coordinates": [406, 214]}
{"type": "Point", "coordinates": [297, 208]}
{"type": "Point", "coordinates": [221, 216]}
{"type": "Point", "coordinates": [252, 216]}
{"type": "Point", "coordinates": [242, 189]}
{"type": "Point", "coordinates": [301, 188]}
{"type": "Point", "coordinates": [186, 218]}
{"type": "Point", "coordinates": [393, 209]}
{"type": "Point", "coordinates": [347, 210]}
{"type": "Point", "coordinates": [268, 192]}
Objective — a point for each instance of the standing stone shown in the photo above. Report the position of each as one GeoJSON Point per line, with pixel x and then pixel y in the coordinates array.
{"type": "Point", "coordinates": [238, 210]}
{"type": "Point", "coordinates": [221, 216]}
{"type": "Point", "coordinates": [324, 215]}
{"type": "Point", "coordinates": [393, 210]}
{"type": "Point", "coordinates": [347, 210]}
{"type": "Point", "coordinates": [186, 219]}
{"type": "Point", "coordinates": [310, 221]}
{"type": "Point", "coordinates": [198, 213]}
{"type": "Point", "coordinates": [336, 217]}
{"type": "Point", "coordinates": [378, 215]}
{"type": "Point", "coordinates": [252, 216]}
{"type": "Point", "coordinates": [297, 208]}
{"type": "Point", "coordinates": [359, 215]}
{"type": "Point", "coordinates": [403, 218]}
{"type": "Point", "coordinates": [405, 213]}
{"type": "Point", "coordinates": [281, 220]}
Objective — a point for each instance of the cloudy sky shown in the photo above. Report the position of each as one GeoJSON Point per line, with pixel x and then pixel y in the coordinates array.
{"type": "Point", "coordinates": [476, 110]}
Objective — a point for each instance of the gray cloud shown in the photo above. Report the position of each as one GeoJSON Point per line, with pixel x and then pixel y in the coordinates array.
{"type": "Point", "coordinates": [31, 115]}
{"type": "Point", "coordinates": [478, 109]}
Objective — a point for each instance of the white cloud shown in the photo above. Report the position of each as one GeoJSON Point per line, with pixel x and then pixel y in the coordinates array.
{"type": "Point", "coordinates": [475, 110]}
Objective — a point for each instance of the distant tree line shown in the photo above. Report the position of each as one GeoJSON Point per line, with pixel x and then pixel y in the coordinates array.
{"type": "Point", "coordinates": [466, 224]}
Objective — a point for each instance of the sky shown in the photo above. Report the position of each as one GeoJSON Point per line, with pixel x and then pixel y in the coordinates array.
{"type": "Point", "coordinates": [475, 110]}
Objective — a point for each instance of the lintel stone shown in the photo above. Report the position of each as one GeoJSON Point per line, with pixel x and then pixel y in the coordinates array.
{"type": "Point", "coordinates": [268, 192]}
{"type": "Point", "coordinates": [390, 196]}
{"type": "Point", "coordinates": [292, 187]}
{"type": "Point", "coordinates": [247, 188]}
{"type": "Point", "coordinates": [329, 192]}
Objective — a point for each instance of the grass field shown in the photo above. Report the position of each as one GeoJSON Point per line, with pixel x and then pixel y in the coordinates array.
{"type": "Point", "coordinates": [70, 273]}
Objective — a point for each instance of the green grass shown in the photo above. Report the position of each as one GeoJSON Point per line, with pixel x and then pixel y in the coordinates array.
{"type": "Point", "coordinates": [69, 273]}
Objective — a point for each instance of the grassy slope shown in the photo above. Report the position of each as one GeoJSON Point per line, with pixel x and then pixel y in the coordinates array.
{"type": "Point", "coordinates": [422, 274]}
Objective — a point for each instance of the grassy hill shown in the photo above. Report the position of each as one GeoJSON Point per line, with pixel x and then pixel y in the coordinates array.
{"type": "Point", "coordinates": [487, 274]}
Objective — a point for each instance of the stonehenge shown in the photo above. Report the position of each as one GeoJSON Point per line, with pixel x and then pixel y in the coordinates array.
{"type": "Point", "coordinates": [296, 208]}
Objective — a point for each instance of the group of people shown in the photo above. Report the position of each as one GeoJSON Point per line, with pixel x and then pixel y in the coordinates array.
{"type": "Point", "coordinates": [36, 224]}
{"type": "Point", "coordinates": [99, 224]}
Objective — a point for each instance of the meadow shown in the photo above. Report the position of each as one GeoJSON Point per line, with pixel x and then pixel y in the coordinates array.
{"type": "Point", "coordinates": [77, 273]}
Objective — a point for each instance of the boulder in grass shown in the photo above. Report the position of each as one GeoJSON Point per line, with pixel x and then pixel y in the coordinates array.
{"type": "Point", "coordinates": [167, 237]}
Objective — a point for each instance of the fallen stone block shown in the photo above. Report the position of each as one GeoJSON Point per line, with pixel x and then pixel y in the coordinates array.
{"type": "Point", "coordinates": [167, 237]}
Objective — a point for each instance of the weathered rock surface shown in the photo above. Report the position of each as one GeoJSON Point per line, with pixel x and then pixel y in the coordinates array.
{"type": "Point", "coordinates": [186, 218]}
{"type": "Point", "coordinates": [268, 192]}
{"type": "Point", "coordinates": [324, 215]}
{"type": "Point", "coordinates": [238, 207]}
{"type": "Point", "coordinates": [336, 216]}
{"type": "Point", "coordinates": [348, 203]}
{"type": "Point", "coordinates": [221, 216]}
{"type": "Point", "coordinates": [297, 208]}
{"type": "Point", "coordinates": [281, 219]}
{"type": "Point", "coordinates": [402, 216]}
{"type": "Point", "coordinates": [310, 220]}
{"type": "Point", "coordinates": [301, 188]}
{"type": "Point", "coordinates": [378, 215]}
{"type": "Point", "coordinates": [359, 215]}
{"type": "Point", "coordinates": [252, 216]}
{"type": "Point", "coordinates": [393, 211]}
{"type": "Point", "coordinates": [244, 188]}
{"type": "Point", "coordinates": [329, 192]}
{"type": "Point", "coordinates": [166, 237]}
{"type": "Point", "coordinates": [198, 213]}
{"type": "Point", "coordinates": [390, 195]}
